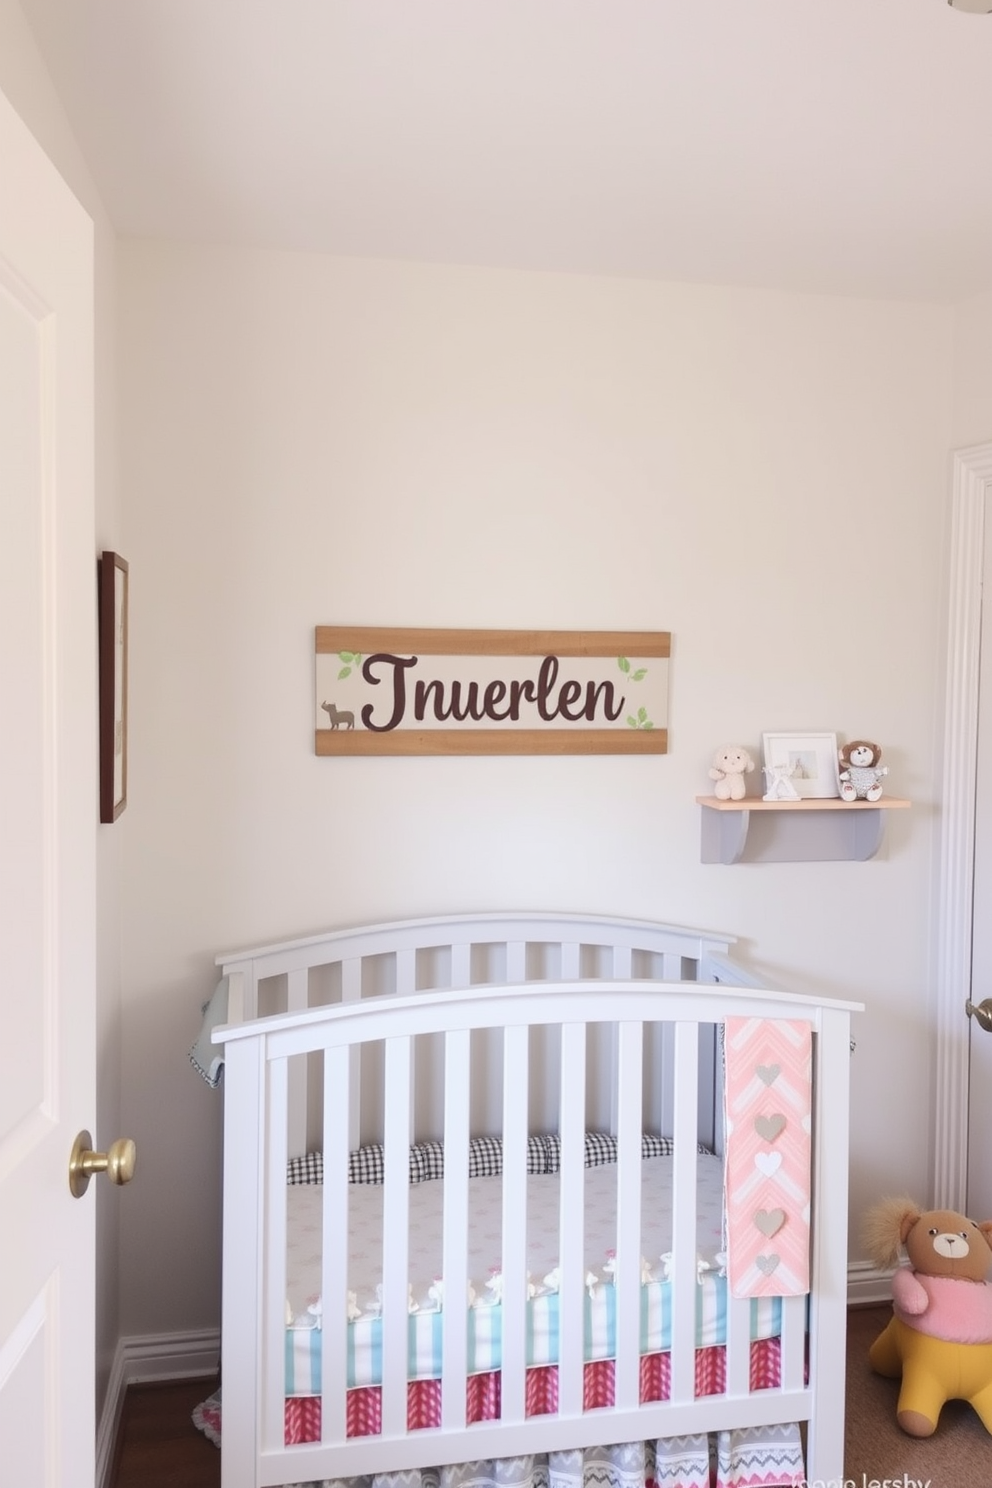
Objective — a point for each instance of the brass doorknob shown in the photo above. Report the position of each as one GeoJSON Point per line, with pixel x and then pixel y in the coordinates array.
{"type": "Point", "coordinates": [117, 1162]}
{"type": "Point", "coordinates": [982, 1012]}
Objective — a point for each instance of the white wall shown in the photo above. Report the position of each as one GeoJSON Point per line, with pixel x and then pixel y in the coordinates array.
{"type": "Point", "coordinates": [28, 86]}
{"type": "Point", "coordinates": [973, 372]}
{"type": "Point", "coordinates": [310, 441]}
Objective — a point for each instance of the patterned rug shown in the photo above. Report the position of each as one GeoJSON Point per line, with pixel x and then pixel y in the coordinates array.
{"type": "Point", "coordinates": [206, 1418]}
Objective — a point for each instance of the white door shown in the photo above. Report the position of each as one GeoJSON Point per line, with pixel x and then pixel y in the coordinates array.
{"type": "Point", "coordinates": [48, 812]}
{"type": "Point", "coordinates": [979, 1202]}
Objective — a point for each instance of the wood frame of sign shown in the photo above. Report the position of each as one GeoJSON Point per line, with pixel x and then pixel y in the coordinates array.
{"type": "Point", "coordinates": [380, 690]}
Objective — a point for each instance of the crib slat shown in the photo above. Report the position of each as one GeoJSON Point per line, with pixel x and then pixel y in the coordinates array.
{"type": "Point", "coordinates": [736, 1340]}
{"type": "Point", "coordinates": [516, 960]}
{"type": "Point", "coordinates": [297, 992]}
{"type": "Point", "coordinates": [351, 991]}
{"type": "Point", "coordinates": [627, 1275]}
{"type": "Point", "coordinates": [454, 1358]}
{"type": "Point", "coordinates": [405, 962]}
{"type": "Point", "coordinates": [461, 964]}
{"type": "Point", "coordinates": [334, 1281]}
{"type": "Point", "coordinates": [396, 1236]}
{"type": "Point", "coordinates": [514, 1306]}
{"type": "Point", "coordinates": [793, 1342]}
{"type": "Point", "coordinates": [621, 967]}
{"type": "Point", "coordinates": [571, 1235]}
{"type": "Point", "coordinates": [274, 1328]}
{"type": "Point", "coordinates": [238, 998]}
{"type": "Point", "coordinates": [297, 989]}
{"type": "Point", "coordinates": [405, 984]}
{"type": "Point", "coordinates": [623, 960]}
{"type": "Point", "coordinates": [738, 1343]}
{"type": "Point", "coordinates": [684, 1213]}
{"type": "Point", "coordinates": [710, 1095]}
{"type": "Point", "coordinates": [570, 956]}
{"type": "Point", "coordinates": [663, 1063]}
{"type": "Point", "coordinates": [351, 979]}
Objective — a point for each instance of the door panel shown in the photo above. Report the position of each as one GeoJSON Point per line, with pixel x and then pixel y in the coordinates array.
{"type": "Point", "coordinates": [23, 1095]}
{"type": "Point", "coordinates": [26, 1396]}
{"type": "Point", "coordinates": [47, 817]}
{"type": "Point", "coordinates": [979, 1202]}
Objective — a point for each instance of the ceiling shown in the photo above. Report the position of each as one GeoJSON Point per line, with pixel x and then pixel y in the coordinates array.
{"type": "Point", "coordinates": [835, 146]}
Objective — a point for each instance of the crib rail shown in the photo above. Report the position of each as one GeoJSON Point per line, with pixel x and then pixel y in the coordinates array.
{"type": "Point", "coordinates": [257, 1143]}
{"type": "Point", "coordinates": [457, 952]}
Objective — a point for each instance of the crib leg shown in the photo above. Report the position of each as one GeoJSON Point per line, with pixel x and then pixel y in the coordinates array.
{"type": "Point", "coordinates": [243, 1100]}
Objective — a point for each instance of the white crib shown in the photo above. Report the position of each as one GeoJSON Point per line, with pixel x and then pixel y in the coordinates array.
{"type": "Point", "coordinates": [504, 1025]}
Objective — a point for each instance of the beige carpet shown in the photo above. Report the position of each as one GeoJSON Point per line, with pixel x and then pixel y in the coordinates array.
{"type": "Point", "coordinates": [958, 1455]}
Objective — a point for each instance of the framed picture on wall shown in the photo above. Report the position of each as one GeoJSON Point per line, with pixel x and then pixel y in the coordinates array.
{"type": "Point", "coordinates": [809, 761]}
{"type": "Point", "coordinates": [112, 590]}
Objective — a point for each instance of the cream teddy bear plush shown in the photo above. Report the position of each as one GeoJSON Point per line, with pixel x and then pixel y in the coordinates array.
{"type": "Point", "coordinates": [730, 764]}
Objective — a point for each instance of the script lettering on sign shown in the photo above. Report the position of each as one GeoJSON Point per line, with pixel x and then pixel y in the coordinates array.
{"type": "Point", "coordinates": [384, 691]}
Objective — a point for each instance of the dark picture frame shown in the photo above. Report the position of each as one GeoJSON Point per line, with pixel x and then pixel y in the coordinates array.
{"type": "Point", "coordinates": [112, 589]}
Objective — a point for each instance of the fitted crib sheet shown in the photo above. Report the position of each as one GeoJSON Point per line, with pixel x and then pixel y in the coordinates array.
{"type": "Point", "coordinates": [364, 1355]}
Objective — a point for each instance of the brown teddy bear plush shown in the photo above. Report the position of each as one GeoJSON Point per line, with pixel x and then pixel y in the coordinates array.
{"type": "Point", "coordinates": [940, 1337]}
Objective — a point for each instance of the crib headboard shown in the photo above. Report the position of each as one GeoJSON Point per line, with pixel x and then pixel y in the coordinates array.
{"type": "Point", "coordinates": [462, 951]}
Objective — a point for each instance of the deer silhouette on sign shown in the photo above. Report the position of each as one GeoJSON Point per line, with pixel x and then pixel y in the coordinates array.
{"type": "Point", "coordinates": [339, 716]}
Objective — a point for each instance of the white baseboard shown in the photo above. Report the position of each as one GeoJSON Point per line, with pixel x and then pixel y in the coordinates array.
{"type": "Point", "coordinates": [145, 1357]}
{"type": "Point", "coordinates": [866, 1283]}
{"type": "Point", "coordinates": [110, 1420]}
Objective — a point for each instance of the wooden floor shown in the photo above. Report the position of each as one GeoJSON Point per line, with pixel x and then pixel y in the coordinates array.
{"type": "Point", "coordinates": [158, 1445]}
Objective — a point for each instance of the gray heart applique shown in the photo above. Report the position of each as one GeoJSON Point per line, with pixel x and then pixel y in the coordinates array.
{"type": "Point", "coordinates": [769, 1221]}
{"type": "Point", "coordinates": [767, 1264]}
{"type": "Point", "coordinates": [768, 1073]}
{"type": "Point", "coordinates": [769, 1127]}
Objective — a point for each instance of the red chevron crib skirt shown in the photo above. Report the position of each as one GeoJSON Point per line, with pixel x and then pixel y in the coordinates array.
{"type": "Point", "coordinates": [364, 1410]}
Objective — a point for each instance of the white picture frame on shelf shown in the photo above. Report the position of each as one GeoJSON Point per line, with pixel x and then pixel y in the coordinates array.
{"type": "Point", "coordinates": [809, 761]}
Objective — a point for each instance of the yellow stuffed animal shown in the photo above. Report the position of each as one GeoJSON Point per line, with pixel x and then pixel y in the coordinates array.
{"type": "Point", "coordinates": [940, 1337]}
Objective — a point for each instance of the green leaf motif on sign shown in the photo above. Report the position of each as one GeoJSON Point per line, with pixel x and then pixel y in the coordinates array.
{"type": "Point", "coordinates": [351, 660]}
{"type": "Point", "coordinates": [624, 664]}
{"type": "Point", "coordinates": [642, 721]}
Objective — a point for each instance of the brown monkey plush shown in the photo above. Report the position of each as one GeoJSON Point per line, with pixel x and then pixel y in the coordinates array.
{"type": "Point", "coordinates": [860, 773]}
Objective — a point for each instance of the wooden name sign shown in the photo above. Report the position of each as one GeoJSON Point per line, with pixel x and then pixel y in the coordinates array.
{"type": "Point", "coordinates": [382, 691]}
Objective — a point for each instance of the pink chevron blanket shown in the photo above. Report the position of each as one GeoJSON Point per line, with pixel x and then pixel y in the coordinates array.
{"type": "Point", "coordinates": [767, 1160]}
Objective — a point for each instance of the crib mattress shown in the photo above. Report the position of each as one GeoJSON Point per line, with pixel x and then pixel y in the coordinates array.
{"type": "Point", "coordinates": [484, 1312]}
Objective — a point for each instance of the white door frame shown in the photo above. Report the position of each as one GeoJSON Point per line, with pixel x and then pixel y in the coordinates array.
{"type": "Point", "coordinates": [971, 502]}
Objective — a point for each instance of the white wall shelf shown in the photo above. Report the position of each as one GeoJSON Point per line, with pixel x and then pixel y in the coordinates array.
{"type": "Point", "coordinates": [809, 831]}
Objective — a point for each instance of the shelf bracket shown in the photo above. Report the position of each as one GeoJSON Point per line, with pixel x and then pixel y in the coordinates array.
{"type": "Point", "coordinates": [724, 834]}
{"type": "Point", "coordinates": [790, 835]}
{"type": "Point", "coordinates": [866, 834]}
